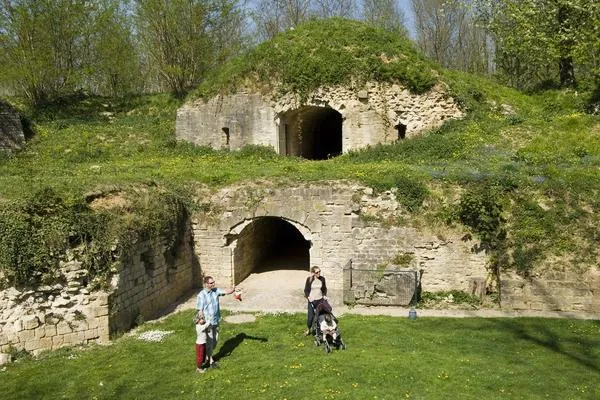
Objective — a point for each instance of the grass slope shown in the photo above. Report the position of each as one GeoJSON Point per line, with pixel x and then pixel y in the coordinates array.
{"type": "Point", "coordinates": [322, 53]}
{"type": "Point", "coordinates": [529, 163]}
{"type": "Point", "coordinates": [386, 358]}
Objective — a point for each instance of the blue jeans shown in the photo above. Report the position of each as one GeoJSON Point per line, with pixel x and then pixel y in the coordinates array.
{"type": "Point", "coordinates": [312, 305]}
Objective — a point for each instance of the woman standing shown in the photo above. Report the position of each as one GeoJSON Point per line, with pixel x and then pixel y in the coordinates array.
{"type": "Point", "coordinates": [315, 291]}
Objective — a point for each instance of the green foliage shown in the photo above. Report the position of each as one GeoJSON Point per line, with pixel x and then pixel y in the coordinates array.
{"type": "Point", "coordinates": [544, 40]}
{"type": "Point", "coordinates": [258, 152]}
{"type": "Point", "coordinates": [325, 52]}
{"type": "Point", "coordinates": [481, 210]}
{"type": "Point", "coordinates": [411, 192]}
{"type": "Point", "coordinates": [38, 234]}
{"type": "Point", "coordinates": [403, 260]}
{"type": "Point", "coordinates": [53, 48]}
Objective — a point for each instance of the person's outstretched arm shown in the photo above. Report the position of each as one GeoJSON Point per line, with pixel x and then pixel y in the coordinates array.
{"type": "Point", "coordinates": [229, 291]}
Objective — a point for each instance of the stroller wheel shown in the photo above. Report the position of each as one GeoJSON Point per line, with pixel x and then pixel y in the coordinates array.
{"type": "Point", "coordinates": [342, 345]}
{"type": "Point", "coordinates": [317, 342]}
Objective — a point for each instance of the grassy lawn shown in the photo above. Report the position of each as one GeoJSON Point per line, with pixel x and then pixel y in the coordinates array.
{"type": "Point", "coordinates": [386, 358]}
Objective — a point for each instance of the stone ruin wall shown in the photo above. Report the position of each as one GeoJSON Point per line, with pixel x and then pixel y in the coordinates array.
{"type": "Point", "coordinates": [369, 113]}
{"type": "Point", "coordinates": [11, 130]}
{"type": "Point", "coordinates": [71, 314]}
{"type": "Point", "coordinates": [334, 217]}
{"type": "Point", "coordinates": [329, 217]}
{"type": "Point", "coordinates": [150, 281]}
{"type": "Point", "coordinates": [553, 289]}
{"type": "Point", "coordinates": [53, 316]}
{"type": "Point", "coordinates": [248, 117]}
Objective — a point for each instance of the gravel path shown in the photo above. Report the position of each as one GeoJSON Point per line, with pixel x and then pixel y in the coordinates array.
{"type": "Point", "coordinates": [280, 291]}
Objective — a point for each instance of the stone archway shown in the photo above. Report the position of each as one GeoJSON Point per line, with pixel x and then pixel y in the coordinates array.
{"type": "Point", "coordinates": [311, 132]}
{"type": "Point", "coordinates": [267, 244]}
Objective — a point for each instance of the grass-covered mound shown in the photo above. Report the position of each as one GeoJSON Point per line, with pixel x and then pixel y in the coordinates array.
{"type": "Point", "coordinates": [325, 52]}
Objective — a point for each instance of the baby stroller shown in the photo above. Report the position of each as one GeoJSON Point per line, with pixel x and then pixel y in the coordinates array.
{"type": "Point", "coordinates": [334, 339]}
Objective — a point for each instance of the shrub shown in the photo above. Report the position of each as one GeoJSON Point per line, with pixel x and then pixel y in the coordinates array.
{"type": "Point", "coordinates": [480, 210]}
{"type": "Point", "coordinates": [411, 193]}
{"type": "Point", "coordinates": [34, 236]}
{"type": "Point", "coordinates": [37, 234]}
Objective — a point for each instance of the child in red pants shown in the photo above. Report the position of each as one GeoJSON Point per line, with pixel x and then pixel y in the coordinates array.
{"type": "Point", "coordinates": [201, 336]}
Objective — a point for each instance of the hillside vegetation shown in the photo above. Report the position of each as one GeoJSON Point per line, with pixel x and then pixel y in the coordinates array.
{"type": "Point", "coordinates": [321, 53]}
{"type": "Point", "coordinates": [522, 172]}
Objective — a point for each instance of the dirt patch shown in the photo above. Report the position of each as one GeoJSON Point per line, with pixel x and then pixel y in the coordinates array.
{"type": "Point", "coordinates": [240, 318]}
{"type": "Point", "coordinates": [108, 202]}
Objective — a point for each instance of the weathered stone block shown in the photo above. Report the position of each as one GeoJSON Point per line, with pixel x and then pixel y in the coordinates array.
{"type": "Point", "coordinates": [63, 328]}
{"type": "Point", "coordinates": [58, 341]}
{"type": "Point", "coordinates": [12, 136]}
{"type": "Point", "coordinates": [30, 321]}
{"type": "Point", "coordinates": [5, 358]}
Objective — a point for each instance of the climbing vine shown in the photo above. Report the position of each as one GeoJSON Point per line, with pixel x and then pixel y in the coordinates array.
{"type": "Point", "coordinates": [481, 210]}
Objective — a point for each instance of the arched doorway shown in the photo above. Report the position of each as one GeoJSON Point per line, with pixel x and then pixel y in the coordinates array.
{"type": "Point", "coordinates": [311, 132]}
{"type": "Point", "coordinates": [269, 244]}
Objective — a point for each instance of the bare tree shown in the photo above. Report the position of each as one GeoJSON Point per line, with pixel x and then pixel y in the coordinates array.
{"type": "Point", "coordinates": [273, 16]}
{"type": "Point", "coordinates": [447, 32]}
{"type": "Point", "coordinates": [335, 8]}
{"type": "Point", "coordinates": [384, 14]}
{"type": "Point", "coordinates": [184, 39]}
{"type": "Point", "coordinates": [296, 11]}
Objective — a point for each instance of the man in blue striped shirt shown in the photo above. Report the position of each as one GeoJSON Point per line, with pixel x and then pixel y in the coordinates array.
{"type": "Point", "coordinates": [208, 303]}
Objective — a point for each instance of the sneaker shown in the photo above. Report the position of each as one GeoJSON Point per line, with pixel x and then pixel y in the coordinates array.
{"type": "Point", "coordinates": [201, 370]}
{"type": "Point", "coordinates": [307, 332]}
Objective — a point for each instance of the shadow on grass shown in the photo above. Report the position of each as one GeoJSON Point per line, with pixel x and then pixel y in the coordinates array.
{"type": "Point", "coordinates": [232, 343]}
{"type": "Point", "coordinates": [575, 347]}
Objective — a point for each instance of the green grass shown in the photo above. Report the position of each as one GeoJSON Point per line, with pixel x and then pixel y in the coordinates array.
{"type": "Point", "coordinates": [386, 358]}
{"type": "Point", "coordinates": [542, 162]}
{"type": "Point", "coordinates": [537, 155]}
{"type": "Point", "coordinates": [323, 53]}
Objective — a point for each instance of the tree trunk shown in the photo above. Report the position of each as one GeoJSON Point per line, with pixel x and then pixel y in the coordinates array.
{"type": "Point", "coordinates": [565, 63]}
{"type": "Point", "coordinates": [566, 71]}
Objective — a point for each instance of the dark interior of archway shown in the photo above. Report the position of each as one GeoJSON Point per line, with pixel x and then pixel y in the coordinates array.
{"type": "Point", "coordinates": [322, 130]}
{"type": "Point", "coordinates": [279, 245]}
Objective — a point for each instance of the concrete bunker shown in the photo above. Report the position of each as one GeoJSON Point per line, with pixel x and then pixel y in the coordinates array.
{"type": "Point", "coordinates": [267, 244]}
{"type": "Point", "coordinates": [311, 132]}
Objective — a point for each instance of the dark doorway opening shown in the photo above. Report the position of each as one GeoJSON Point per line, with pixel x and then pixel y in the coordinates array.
{"type": "Point", "coordinates": [269, 244]}
{"type": "Point", "coordinates": [312, 132]}
{"type": "Point", "coordinates": [401, 128]}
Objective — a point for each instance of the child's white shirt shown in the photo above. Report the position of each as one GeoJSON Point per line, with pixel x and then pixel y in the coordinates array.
{"type": "Point", "coordinates": [325, 327]}
{"type": "Point", "coordinates": [201, 335]}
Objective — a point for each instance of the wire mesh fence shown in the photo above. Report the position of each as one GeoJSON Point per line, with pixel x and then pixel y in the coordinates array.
{"type": "Point", "coordinates": [380, 286]}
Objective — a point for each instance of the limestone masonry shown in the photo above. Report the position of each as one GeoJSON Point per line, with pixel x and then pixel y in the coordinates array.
{"type": "Point", "coordinates": [11, 130]}
{"type": "Point", "coordinates": [329, 122]}
{"type": "Point", "coordinates": [337, 226]}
